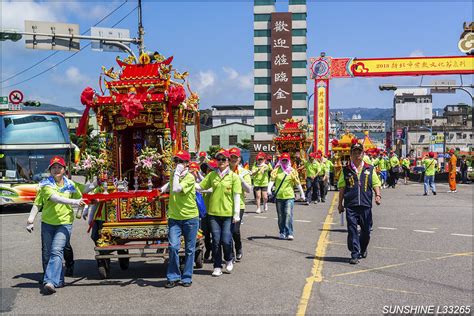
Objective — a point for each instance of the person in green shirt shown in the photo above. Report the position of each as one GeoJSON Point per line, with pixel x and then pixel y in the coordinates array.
{"type": "Point", "coordinates": [312, 167]}
{"type": "Point", "coordinates": [357, 183]}
{"type": "Point", "coordinates": [56, 197]}
{"type": "Point", "coordinates": [183, 220]}
{"type": "Point", "coordinates": [431, 166]}
{"type": "Point", "coordinates": [406, 168]}
{"type": "Point", "coordinates": [323, 177]}
{"type": "Point", "coordinates": [246, 180]}
{"type": "Point", "coordinates": [394, 169]}
{"type": "Point", "coordinates": [285, 178]}
{"type": "Point", "coordinates": [224, 209]}
{"type": "Point", "coordinates": [259, 173]}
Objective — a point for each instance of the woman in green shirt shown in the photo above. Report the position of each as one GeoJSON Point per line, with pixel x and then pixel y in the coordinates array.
{"type": "Point", "coordinates": [285, 178]}
{"type": "Point", "coordinates": [259, 175]}
{"type": "Point", "coordinates": [224, 209]}
{"type": "Point", "coordinates": [183, 220]}
{"type": "Point", "coordinates": [57, 196]}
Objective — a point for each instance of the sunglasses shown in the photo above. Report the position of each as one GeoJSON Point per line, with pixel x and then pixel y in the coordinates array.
{"type": "Point", "coordinates": [177, 160]}
{"type": "Point", "coordinates": [260, 159]}
{"type": "Point", "coordinates": [221, 159]}
{"type": "Point", "coordinates": [284, 160]}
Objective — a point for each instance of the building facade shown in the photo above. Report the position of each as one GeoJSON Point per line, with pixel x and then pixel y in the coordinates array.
{"type": "Point", "coordinates": [224, 136]}
{"type": "Point", "coordinates": [264, 128]}
{"type": "Point", "coordinates": [226, 114]}
{"type": "Point", "coordinates": [451, 130]}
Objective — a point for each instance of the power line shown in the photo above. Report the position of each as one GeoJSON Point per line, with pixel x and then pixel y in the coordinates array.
{"type": "Point", "coordinates": [67, 58]}
{"type": "Point", "coordinates": [56, 52]}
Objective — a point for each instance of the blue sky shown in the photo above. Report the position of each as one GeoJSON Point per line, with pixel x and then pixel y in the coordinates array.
{"type": "Point", "coordinates": [213, 40]}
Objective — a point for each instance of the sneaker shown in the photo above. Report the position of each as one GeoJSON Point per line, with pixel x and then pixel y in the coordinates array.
{"type": "Point", "coordinates": [307, 202]}
{"type": "Point", "coordinates": [290, 237]}
{"type": "Point", "coordinates": [315, 202]}
{"type": "Point", "coordinates": [49, 289]}
{"type": "Point", "coordinates": [239, 256]}
{"type": "Point", "coordinates": [282, 236]}
{"type": "Point", "coordinates": [265, 207]}
{"type": "Point", "coordinates": [258, 211]}
{"type": "Point", "coordinates": [323, 201]}
{"type": "Point", "coordinates": [171, 284]}
{"type": "Point", "coordinates": [217, 272]}
{"type": "Point", "coordinates": [354, 261]}
{"type": "Point", "coordinates": [455, 191]}
{"type": "Point", "coordinates": [434, 193]}
{"type": "Point", "coordinates": [186, 284]}
{"type": "Point", "coordinates": [363, 254]}
{"type": "Point", "coordinates": [229, 266]}
{"type": "Point", "coordinates": [425, 193]}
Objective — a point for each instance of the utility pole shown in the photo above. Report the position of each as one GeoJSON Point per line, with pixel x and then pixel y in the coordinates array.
{"type": "Point", "coordinates": [141, 30]}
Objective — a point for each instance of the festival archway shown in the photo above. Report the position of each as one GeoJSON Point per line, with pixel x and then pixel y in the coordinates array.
{"type": "Point", "coordinates": [323, 69]}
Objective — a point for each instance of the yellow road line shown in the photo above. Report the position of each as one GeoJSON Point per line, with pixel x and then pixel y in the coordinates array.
{"type": "Point", "coordinates": [316, 270]}
{"type": "Point", "coordinates": [376, 287]}
{"type": "Point", "coordinates": [402, 264]}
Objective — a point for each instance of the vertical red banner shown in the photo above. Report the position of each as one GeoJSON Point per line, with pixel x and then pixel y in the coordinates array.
{"type": "Point", "coordinates": [321, 115]}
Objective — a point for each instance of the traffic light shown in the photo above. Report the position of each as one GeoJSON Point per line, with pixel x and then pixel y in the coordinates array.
{"type": "Point", "coordinates": [387, 87]}
{"type": "Point", "coordinates": [32, 103]}
{"type": "Point", "coordinates": [11, 35]}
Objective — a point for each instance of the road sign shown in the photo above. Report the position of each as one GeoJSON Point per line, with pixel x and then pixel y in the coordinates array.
{"type": "Point", "coordinates": [443, 86]}
{"type": "Point", "coordinates": [47, 40]}
{"type": "Point", "coordinates": [15, 97]}
{"type": "Point", "coordinates": [3, 103]}
{"type": "Point", "coordinates": [108, 33]}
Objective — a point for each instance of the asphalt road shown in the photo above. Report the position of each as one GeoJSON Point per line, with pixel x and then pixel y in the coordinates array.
{"type": "Point", "coordinates": [421, 253]}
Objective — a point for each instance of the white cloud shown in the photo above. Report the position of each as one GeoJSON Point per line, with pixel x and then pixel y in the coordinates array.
{"type": "Point", "coordinates": [14, 13]}
{"type": "Point", "coordinates": [72, 77]}
{"type": "Point", "coordinates": [231, 72]}
{"type": "Point", "coordinates": [417, 53]}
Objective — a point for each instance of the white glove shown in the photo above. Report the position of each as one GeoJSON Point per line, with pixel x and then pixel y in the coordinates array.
{"type": "Point", "coordinates": [236, 218]}
{"type": "Point", "coordinates": [303, 198]}
{"type": "Point", "coordinates": [29, 227]}
{"type": "Point", "coordinates": [85, 212]}
{"type": "Point", "coordinates": [179, 169]}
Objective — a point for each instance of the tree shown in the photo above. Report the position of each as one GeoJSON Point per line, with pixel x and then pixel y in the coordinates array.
{"type": "Point", "coordinates": [213, 150]}
{"type": "Point", "coordinates": [92, 142]}
{"type": "Point", "coordinates": [246, 144]}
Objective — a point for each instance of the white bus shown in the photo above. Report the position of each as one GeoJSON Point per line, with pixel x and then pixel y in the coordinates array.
{"type": "Point", "coordinates": [29, 139]}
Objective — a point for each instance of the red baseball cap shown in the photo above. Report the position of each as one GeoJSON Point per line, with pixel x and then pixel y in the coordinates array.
{"type": "Point", "coordinates": [223, 152]}
{"type": "Point", "coordinates": [202, 154]}
{"type": "Point", "coordinates": [194, 166]}
{"type": "Point", "coordinates": [261, 155]}
{"type": "Point", "coordinates": [451, 151]}
{"type": "Point", "coordinates": [319, 152]}
{"type": "Point", "coordinates": [183, 155]}
{"type": "Point", "coordinates": [57, 159]}
{"type": "Point", "coordinates": [312, 155]}
{"type": "Point", "coordinates": [234, 152]}
{"type": "Point", "coordinates": [431, 154]}
{"type": "Point", "coordinates": [212, 164]}
{"type": "Point", "coordinates": [285, 156]}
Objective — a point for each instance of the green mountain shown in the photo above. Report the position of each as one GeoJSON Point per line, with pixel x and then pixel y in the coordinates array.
{"type": "Point", "coordinates": [54, 108]}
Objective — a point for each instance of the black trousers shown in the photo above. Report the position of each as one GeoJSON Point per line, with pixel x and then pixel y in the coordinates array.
{"type": "Point", "coordinates": [236, 237]}
{"type": "Point", "coordinates": [362, 216]}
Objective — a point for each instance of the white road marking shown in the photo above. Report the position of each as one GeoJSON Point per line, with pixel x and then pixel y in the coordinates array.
{"type": "Point", "coordinates": [387, 228]}
{"type": "Point", "coordinates": [423, 231]}
{"type": "Point", "coordinates": [256, 216]}
{"type": "Point", "coordinates": [302, 221]}
{"type": "Point", "coordinates": [463, 235]}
